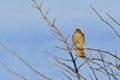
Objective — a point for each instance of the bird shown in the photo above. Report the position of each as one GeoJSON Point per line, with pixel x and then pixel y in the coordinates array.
{"type": "Point", "coordinates": [78, 42]}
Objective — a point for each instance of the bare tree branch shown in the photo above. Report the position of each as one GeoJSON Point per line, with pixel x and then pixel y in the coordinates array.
{"type": "Point", "coordinates": [62, 63]}
{"type": "Point", "coordinates": [23, 61]}
{"type": "Point", "coordinates": [52, 24]}
{"type": "Point", "coordinates": [105, 21]}
{"type": "Point", "coordinates": [107, 52]}
{"type": "Point", "coordinates": [98, 50]}
{"type": "Point", "coordinates": [109, 68]}
{"type": "Point", "coordinates": [92, 69]}
{"type": "Point", "coordinates": [113, 19]}
{"type": "Point", "coordinates": [69, 49]}
{"type": "Point", "coordinates": [13, 72]}
{"type": "Point", "coordinates": [67, 76]}
{"type": "Point", "coordinates": [104, 65]}
{"type": "Point", "coordinates": [63, 69]}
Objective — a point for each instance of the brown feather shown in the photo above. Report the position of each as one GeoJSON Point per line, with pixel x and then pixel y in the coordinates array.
{"type": "Point", "coordinates": [78, 41]}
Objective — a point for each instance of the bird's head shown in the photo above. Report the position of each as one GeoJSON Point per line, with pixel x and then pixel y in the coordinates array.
{"type": "Point", "coordinates": [78, 31]}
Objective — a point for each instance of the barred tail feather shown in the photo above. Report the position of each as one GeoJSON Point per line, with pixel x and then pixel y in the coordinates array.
{"type": "Point", "coordinates": [80, 54]}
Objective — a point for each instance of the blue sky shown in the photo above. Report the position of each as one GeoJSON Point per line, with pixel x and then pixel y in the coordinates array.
{"type": "Point", "coordinates": [24, 32]}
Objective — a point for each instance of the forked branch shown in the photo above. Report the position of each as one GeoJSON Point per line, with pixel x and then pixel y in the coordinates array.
{"type": "Point", "coordinates": [106, 21]}
{"type": "Point", "coordinates": [59, 33]}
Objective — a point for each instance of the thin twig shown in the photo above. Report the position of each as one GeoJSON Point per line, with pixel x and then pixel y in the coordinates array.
{"type": "Point", "coordinates": [63, 68]}
{"type": "Point", "coordinates": [58, 61]}
{"type": "Point", "coordinates": [91, 77]}
{"type": "Point", "coordinates": [63, 59]}
{"type": "Point", "coordinates": [108, 73]}
{"type": "Point", "coordinates": [66, 75]}
{"type": "Point", "coordinates": [13, 72]}
{"type": "Point", "coordinates": [105, 68]}
{"type": "Point", "coordinates": [102, 68]}
{"type": "Point", "coordinates": [112, 72]}
{"type": "Point", "coordinates": [105, 21]}
{"type": "Point", "coordinates": [92, 69]}
{"type": "Point", "coordinates": [108, 63]}
{"type": "Point", "coordinates": [23, 61]}
{"type": "Point", "coordinates": [113, 19]}
{"type": "Point", "coordinates": [98, 50]}
{"type": "Point", "coordinates": [81, 65]}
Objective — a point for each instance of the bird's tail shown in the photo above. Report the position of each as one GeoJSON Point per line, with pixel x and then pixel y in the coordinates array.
{"type": "Point", "coordinates": [80, 54]}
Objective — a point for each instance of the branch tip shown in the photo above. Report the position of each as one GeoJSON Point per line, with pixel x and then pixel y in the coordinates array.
{"type": "Point", "coordinates": [47, 13]}
{"type": "Point", "coordinates": [41, 4]}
